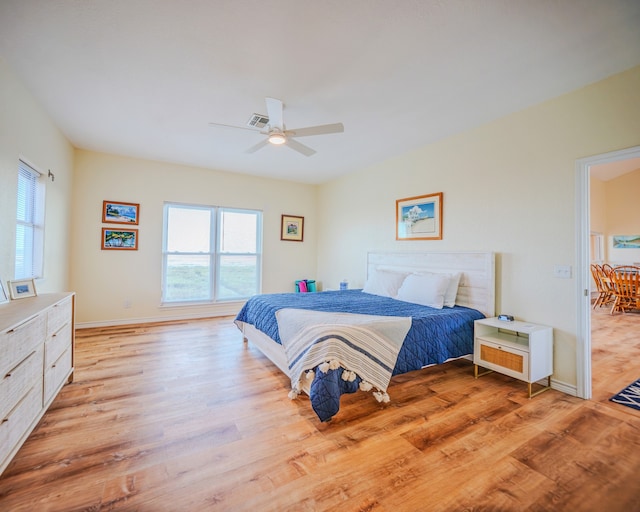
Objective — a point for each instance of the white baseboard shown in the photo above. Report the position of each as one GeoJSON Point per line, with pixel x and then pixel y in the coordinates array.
{"type": "Point", "coordinates": [569, 389]}
{"type": "Point", "coordinates": [148, 320]}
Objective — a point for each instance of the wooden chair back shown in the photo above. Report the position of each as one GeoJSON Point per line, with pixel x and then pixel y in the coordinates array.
{"type": "Point", "coordinates": [604, 284]}
{"type": "Point", "coordinates": [626, 287]}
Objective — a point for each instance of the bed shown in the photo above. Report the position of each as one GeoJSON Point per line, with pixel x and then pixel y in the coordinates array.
{"type": "Point", "coordinates": [335, 342]}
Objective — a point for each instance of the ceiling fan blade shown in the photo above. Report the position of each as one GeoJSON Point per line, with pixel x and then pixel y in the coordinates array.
{"type": "Point", "coordinates": [322, 129]}
{"type": "Point", "coordinates": [274, 111]}
{"type": "Point", "coordinates": [300, 148]}
{"type": "Point", "coordinates": [236, 127]}
{"type": "Point", "coordinates": [258, 146]}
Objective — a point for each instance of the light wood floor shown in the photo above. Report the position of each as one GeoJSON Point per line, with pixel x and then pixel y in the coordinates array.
{"type": "Point", "coordinates": [615, 352]}
{"type": "Point", "coordinates": [186, 417]}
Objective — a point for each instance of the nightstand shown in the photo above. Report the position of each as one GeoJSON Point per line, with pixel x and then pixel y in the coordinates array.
{"type": "Point", "coordinates": [519, 349]}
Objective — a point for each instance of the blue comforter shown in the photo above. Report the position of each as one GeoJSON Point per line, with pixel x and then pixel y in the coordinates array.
{"type": "Point", "coordinates": [435, 336]}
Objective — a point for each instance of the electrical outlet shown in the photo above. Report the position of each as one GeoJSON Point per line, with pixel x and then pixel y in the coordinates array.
{"type": "Point", "coordinates": [562, 271]}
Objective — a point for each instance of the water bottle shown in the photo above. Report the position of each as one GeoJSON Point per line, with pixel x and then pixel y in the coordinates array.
{"type": "Point", "coordinates": [344, 284]}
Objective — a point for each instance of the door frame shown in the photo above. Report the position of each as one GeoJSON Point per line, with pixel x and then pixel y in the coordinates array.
{"type": "Point", "coordinates": [583, 274]}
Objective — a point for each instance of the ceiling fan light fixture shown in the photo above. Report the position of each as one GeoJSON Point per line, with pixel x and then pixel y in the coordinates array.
{"type": "Point", "coordinates": [277, 138]}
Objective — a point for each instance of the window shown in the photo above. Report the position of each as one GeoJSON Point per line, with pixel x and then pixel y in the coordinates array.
{"type": "Point", "coordinates": [210, 253]}
{"type": "Point", "coordinates": [29, 223]}
{"type": "Point", "coordinates": [597, 247]}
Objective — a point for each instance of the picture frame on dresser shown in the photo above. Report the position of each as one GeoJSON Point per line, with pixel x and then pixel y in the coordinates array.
{"type": "Point", "coordinates": [22, 288]}
{"type": "Point", "coordinates": [3, 293]}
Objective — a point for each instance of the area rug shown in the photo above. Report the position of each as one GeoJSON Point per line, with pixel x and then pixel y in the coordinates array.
{"type": "Point", "coordinates": [629, 396]}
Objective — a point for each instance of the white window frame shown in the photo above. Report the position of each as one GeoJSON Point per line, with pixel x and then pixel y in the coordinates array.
{"type": "Point", "coordinates": [30, 199]}
{"type": "Point", "coordinates": [214, 253]}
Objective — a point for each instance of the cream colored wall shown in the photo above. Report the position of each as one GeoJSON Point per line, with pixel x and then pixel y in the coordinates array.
{"type": "Point", "coordinates": [27, 132]}
{"type": "Point", "coordinates": [623, 215]}
{"type": "Point", "coordinates": [104, 280]}
{"type": "Point", "coordinates": [509, 187]}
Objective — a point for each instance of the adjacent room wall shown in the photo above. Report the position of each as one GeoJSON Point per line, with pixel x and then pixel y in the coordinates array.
{"type": "Point", "coordinates": [27, 132]}
{"type": "Point", "coordinates": [623, 215]}
{"type": "Point", "coordinates": [509, 187]}
{"type": "Point", "coordinates": [105, 280]}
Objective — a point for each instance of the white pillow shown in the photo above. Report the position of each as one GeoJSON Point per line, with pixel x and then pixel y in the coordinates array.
{"type": "Point", "coordinates": [383, 282]}
{"type": "Point", "coordinates": [426, 289]}
{"type": "Point", "coordinates": [452, 289]}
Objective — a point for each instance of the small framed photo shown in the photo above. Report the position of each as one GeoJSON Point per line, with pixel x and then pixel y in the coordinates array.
{"type": "Point", "coordinates": [22, 288]}
{"type": "Point", "coordinates": [292, 228]}
{"type": "Point", "coordinates": [124, 239]}
{"type": "Point", "coordinates": [120, 213]}
{"type": "Point", "coordinates": [3, 293]}
{"type": "Point", "coordinates": [419, 217]}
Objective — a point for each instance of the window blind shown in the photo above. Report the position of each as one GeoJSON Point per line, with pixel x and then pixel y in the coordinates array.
{"type": "Point", "coordinates": [28, 233]}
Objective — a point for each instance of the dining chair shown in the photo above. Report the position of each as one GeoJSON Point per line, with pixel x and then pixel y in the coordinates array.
{"type": "Point", "coordinates": [604, 286]}
{"type": "Point", "coordinates": [626, 286]}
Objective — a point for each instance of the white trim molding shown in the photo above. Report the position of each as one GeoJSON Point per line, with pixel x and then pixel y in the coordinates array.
{"type": "Point", "coordinates": [583, 276]}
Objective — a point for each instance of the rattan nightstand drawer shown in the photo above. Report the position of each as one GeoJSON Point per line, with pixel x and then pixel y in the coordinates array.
{"type": "Point", "coordinates": [505, 360]}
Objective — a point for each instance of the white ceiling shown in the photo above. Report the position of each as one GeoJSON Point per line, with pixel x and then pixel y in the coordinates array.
{"type": "Point", "coordinates": [145, 77]}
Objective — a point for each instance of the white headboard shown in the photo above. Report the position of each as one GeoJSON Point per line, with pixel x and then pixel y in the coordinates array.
{"type": "Point", "coordinates": [478, 281]}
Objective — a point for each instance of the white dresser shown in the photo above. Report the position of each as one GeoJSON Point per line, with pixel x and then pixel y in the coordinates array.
{"type": "Point", "coordinates": [36, 359]}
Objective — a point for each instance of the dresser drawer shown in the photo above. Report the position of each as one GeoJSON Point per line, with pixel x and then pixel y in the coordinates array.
{"type": "Point", "coordinates": [56, 374]}
{"type": "Point", "coordinates": [507, 360]}
{"type": "Point", "coordinates": [15, 383]}
{"type": "Point", "coordinates": [56, 345]}
{"type": "Point", "coordinates": [15, 425]}
{"type": "Point", "coordinates": [58, 315]}
{"type": "Point", "coordinates": [19, 342]}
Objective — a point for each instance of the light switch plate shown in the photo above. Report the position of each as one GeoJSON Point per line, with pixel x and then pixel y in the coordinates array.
{"type": "Point", "coordinates": [562, 271]}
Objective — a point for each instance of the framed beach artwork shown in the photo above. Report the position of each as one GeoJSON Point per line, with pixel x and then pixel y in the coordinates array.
{"type": "Point", "coordinates": [419, 217]}
{"type": "Point", "coordinates": [123, 239]}
{"type": "Point", "coordinates": [22, 288]}
{"type": "Point", "coordinates": [120, 213]}
{"type": "Point", "coordinates": [292, 228]}
{"type": "Point", "coordinates": [626, 241]}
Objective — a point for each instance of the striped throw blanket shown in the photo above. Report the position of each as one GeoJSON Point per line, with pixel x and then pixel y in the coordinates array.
{"type": "Point", "coordinates": [366, 346]}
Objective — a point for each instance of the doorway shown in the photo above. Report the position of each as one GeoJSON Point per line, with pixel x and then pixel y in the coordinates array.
{"type": "Point", "coordinates": [583, 274]}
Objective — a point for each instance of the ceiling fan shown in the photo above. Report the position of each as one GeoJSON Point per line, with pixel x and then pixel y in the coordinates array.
{"type": "Point", "coordinates": [276, 132]}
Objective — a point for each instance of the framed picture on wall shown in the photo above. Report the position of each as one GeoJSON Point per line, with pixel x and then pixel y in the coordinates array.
{"type": "Point", "coordinates": [419, 217]}
{"type": "Point", "coordinates": [626, 241]}
{"type": "Point", "coordinates": [3, 293]}
{"type": "Point", "coordinates": [292, 228]}
{"type": "Point", "coordinates": [122, 239]}
{"type": "Point", "coordinates": [22, 288]}
{"type": "Point", "coordinates": [120, 213]}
